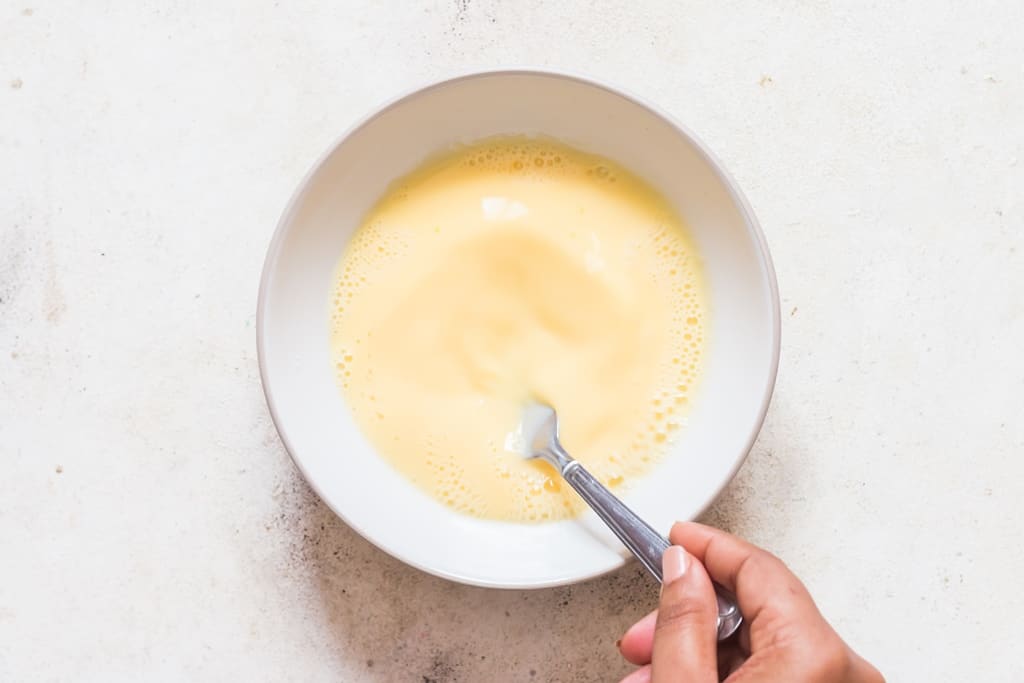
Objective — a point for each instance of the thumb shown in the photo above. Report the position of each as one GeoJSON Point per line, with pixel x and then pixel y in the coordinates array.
{"type": "Point", "coordinates": [685, 638]}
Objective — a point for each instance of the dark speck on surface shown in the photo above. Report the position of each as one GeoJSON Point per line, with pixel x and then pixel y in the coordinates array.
{"type": "Point", "coordinates": [28, 11]}
{"type": "Point", "coordinates": [60, 469]}
{"type": "Point", "coordinates": [16, 84]}
{"type": "Point", "coordinates": [369, 663]}
{"type": "Point", "coordinates": [441, 669]}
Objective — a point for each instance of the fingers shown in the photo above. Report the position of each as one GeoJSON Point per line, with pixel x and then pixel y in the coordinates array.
{"type": "Point", "coordinates": [773, 601]}
{"type": "Point", "coordinates": [638, 642]}
{"type": "Point", "coordinates": [685, 640]}
{"type": "Point", "coordinates": [755, 576]}
{"type": "Point", "coordinates": [790, 640]}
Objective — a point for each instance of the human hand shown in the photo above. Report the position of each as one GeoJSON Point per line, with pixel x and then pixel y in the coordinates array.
{"type": "Point", "coordinates": [783, 636]}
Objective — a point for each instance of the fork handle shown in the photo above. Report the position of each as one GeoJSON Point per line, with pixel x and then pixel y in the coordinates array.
{"type": "Point", "coordinates": [637, 535]}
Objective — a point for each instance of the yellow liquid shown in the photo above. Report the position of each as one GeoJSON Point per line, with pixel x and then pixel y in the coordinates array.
{"type": "Point", "coordinates": [514, 269]}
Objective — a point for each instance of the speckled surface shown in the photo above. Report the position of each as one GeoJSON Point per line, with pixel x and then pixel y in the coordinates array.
{"type": "Point", "coordinates": [152, 526]}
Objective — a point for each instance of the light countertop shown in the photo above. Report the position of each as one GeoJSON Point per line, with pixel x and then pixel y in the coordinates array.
{"type": "Point", "coordinates": [152, 526]}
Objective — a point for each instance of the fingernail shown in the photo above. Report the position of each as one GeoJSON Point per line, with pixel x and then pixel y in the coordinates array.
{"type": "Point", "coordinates": [673, 564]}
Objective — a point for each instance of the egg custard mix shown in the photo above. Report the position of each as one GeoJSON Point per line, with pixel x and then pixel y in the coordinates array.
{"type": "Point", "coordinates": [510, 270]}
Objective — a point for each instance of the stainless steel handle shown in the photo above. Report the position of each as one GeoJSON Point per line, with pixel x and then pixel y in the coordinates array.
{"type": "Point", "coordinates": [643, 541]}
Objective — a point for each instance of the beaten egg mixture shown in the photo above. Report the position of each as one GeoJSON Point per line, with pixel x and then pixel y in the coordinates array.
{"type": "Point", "coordinates": [509, 270]}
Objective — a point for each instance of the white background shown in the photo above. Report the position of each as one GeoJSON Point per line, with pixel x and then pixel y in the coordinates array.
{"type": "Point", "coordinates": [153, 528]}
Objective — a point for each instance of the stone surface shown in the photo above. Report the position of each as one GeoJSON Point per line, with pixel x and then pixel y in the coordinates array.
{"type": "Point", "coordinates": [153, 528]}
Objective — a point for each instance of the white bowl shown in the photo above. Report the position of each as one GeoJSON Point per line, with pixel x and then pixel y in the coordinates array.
{"type": "Point", "coordinates": [311, 414]}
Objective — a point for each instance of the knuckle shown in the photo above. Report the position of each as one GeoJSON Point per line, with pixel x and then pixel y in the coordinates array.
{"type": "Point", "coordinates": [759, 564]}
{"type": "Point", "coordinates": [681, 614]}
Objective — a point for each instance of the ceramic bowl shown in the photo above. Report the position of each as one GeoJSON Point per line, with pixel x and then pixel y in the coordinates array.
{"type": "Point", "coordinates": [310, 412]}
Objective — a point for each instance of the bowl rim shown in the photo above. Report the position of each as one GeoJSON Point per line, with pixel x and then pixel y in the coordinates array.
{"type": "Point", "coordinates": [751, 224]}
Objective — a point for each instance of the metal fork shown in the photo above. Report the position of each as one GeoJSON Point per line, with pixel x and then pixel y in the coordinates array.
{"type": "Point", "coordinates": [540, 437]}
